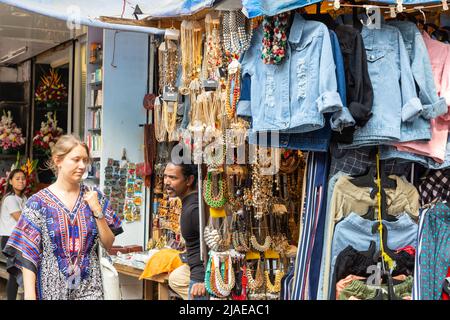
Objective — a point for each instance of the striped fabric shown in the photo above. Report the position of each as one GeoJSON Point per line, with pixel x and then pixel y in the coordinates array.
{"type": "Point", "coordinates": [314, 200]}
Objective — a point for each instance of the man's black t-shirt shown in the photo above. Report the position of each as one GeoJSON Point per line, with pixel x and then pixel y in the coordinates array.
{"type": "Point", "coordinates": [189, 225]}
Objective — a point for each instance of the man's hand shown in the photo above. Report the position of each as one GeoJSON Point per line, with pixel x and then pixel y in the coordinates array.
{"type": "Point", "coordinates": [198, 290]}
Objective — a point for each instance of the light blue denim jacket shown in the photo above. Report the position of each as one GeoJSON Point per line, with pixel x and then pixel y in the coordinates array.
{"type": "Point", "coordinates": [395, 97]}
{"type": "Point", "coordinates": [433, 106]}
{"type": "Point", "coordinates": [293, 95]}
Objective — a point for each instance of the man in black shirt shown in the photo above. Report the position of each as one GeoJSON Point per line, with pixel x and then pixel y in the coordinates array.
{"type": "Point", "coordinates": [180, 181]}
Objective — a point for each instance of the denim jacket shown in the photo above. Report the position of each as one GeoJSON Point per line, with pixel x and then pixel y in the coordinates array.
{"type": "Point", "coordinates": [359, 87]}
{"type": "Point", "coordinates": [433, 106]}
{"type": "Point", "coordinates": [293, 95]}
{"type": "Point", "coordinates": [395, 98]}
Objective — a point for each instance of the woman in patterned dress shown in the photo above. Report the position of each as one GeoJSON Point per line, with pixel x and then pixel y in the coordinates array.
{"type": "Point", "coordinates": [55, 240]}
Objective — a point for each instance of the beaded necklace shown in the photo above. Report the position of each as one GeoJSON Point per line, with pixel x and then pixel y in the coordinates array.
{"type": "Point", "coordinates": [213, 53]}
{"type": "Point", "coordinates": [236, 33]}
{"type": "Point", "coordinates": [224, 288]}
{"type": "Point", "coordinates": [218, 200]}
{"type": "Point", "coordinates": [234, 76]}
{"type": "Point", "coordinates": [257, 282]}
{"type": "Point", "coordinates": [168, 64]}
{"type": "Point", "coordinates": [275, 38]}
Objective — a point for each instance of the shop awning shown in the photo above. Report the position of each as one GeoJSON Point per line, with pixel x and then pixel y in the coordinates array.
{"type": "Point", "coordinates": [88, 12]}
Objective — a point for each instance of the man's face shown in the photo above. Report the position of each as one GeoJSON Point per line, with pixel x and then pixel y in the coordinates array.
{"type": "Point", "coordinates": [175, 184]}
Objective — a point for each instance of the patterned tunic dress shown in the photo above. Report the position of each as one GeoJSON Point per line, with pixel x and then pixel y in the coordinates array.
{"type": "Point", "coordinates": [60, 246]}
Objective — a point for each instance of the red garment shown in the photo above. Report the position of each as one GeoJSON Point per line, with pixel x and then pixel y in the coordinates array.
{"type": "Point", "coordinates": [408, 249]}
{"type": "Point", "coordinates": [445, 295]}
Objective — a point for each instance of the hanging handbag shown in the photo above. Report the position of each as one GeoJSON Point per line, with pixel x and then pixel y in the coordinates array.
{"type": "Point", "coordinates": [110, 276]}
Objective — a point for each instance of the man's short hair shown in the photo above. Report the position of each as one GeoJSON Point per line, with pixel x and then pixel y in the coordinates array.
{"type": "Point", "coordinates": [188, 170]}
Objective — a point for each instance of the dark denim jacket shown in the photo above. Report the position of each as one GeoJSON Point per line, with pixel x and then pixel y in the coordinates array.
{"type": "Point", "coordinates": [359, 89]}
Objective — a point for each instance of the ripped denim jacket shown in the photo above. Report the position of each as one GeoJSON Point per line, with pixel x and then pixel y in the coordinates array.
{"type": "Point", "coordinates": [294, 95]}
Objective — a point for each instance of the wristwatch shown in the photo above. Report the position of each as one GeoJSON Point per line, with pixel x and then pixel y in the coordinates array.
{"type": "Point", "coordinates": [98, 214]}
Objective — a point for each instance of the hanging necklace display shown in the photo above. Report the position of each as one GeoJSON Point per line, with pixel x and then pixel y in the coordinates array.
{"type": "Point", "coordinates": [290, 161]}
{"type": "Point", "coordinates": [239, 235]}
{"type": "Point", "coordinates": [276, 286]}
{"type": "Point", "coordinates": [233, 88]}
{"type": "Point", "coordinates": [275, 38]}
{"type": "Point", "coordinates": [255, 283]}
{"type": "Point", "coordinates": [237, 133]}
{"type": "Point", "coordinates": [170, 119]}
{"type": "Point", "coordinates": [261, 191]}
{"type": "Point", "coordinates": [262, 248]}
{"type": "Point", "coordinates": [224, 288]}
{"type": "Point", "coordinates": [217, 239]}
{"type": "Point", "coordinates": [236, 33]}
{"type": "Point", "coordinates": [160, 128]}
{"type": "Point", "coordinates": [191, 53]}
{"type": "Point", "coordinates": [213, 54]}
{"type": "Point", "coordinates": [236, 174]}
{"type": "Point", "coordinates": [218, 200]}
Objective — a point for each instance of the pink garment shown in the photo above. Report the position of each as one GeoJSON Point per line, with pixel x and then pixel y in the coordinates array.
{"type": "Point", "coordinates": [440, 63]}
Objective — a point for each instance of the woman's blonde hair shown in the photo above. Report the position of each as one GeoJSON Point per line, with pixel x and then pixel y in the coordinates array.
{"type": "Point", "coordinates": [63, 146]}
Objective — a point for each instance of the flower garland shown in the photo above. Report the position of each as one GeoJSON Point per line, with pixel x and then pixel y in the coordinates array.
{"type": "Point", "coordinates": [275, 38]}
{"type": "Point", "coordinates": [10, 135]}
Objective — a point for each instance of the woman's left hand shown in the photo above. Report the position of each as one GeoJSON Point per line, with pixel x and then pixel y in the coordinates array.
{"type": "Point", "coordinates": [91, 197]}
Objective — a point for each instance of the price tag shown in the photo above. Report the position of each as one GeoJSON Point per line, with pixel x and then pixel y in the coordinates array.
{"type": "Point", "coordinates": [210, 85]}
{"type": "Point", "coordinates": [170, 94]}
